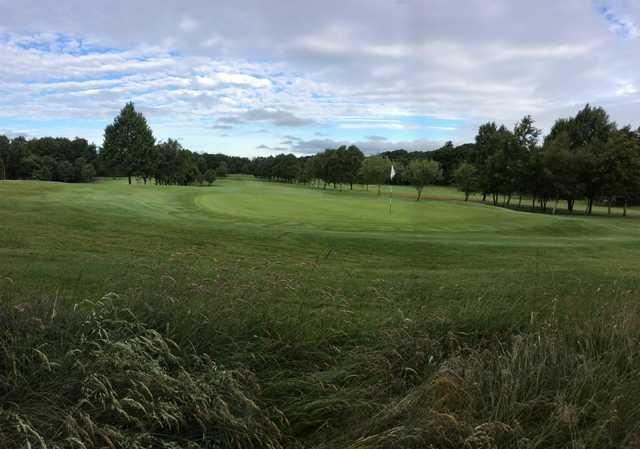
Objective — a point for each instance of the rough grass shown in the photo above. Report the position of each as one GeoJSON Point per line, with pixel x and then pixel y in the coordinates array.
{"type": "Point", "coordinates": [302, 318]}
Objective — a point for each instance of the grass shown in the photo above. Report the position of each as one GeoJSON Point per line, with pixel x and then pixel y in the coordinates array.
{"type": "Point", "coordinates": [311, 318]}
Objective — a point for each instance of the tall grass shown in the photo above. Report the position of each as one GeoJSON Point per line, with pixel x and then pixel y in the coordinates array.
{"type": "Point", "coordinates": [110, 374]}
{"type": "Point", "coordinates": [98, 377]}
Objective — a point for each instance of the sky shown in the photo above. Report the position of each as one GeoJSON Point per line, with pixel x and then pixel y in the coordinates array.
{"type": "Point", "coordinates": [261, 77]}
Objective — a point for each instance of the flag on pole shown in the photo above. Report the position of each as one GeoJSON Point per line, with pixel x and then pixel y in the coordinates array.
{"type": "Point", "coordinates": [391, 176]}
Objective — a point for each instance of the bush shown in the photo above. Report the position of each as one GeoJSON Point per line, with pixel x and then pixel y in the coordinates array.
{"type": "Point", "coordinates": [210, 176]}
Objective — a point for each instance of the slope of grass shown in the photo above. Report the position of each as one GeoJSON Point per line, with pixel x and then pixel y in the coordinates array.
{"type": "Point", "coordinates": [441, 323]}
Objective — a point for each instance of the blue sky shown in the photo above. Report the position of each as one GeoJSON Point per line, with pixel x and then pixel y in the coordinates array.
{"type": "Point", "coordinates": [256, 77]}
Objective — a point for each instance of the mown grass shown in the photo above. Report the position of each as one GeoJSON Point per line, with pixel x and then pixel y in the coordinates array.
{"type": "Point", "coordinates": [266, 315]}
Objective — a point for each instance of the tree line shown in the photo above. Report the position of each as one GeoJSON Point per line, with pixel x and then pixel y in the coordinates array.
{"type": "Point", "coordinates": [129, 150]}
{"type": "Point", "coordinates": [586, 157]}
{"type": "Point", "coordinates": [47, 159]}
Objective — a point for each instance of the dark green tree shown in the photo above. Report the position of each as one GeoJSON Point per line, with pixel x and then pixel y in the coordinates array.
{"type": "Point", "coordinates": [210, 176]}
{"type": "Point", "coordinates": [222, 170]}
{"type": "Point", "coordinates": [129, 143]}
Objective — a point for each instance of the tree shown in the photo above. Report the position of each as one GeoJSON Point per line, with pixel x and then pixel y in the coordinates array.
{"type": "Point", "coordinates": [559, 169]}
{"type": "Point", "coordinates": [589, 132]}
{"type": "Point", "coordinates": [621, 167]}
{"type": "Point", "coordinates": [46, 170]}
{"type": "Point", "coordinates": [353, 158]}
{"type": "Point", "coordinates": [483, 150]}
{"type": "Point", "coordinates": [305, 170]}
{"type": "Point", "coordinates": [423, 172]}
{"type": "Point", "coordinates": [87, 172]}
{"type": "Point", "coordinates": [375, 170]}
{"type": "Point", "coordinates": [210, 176]}
{"type": "Point", "coordinates": [222, 170]}
{"type": "Point", "coordinates": [65, 171]}
{"type": "Point", "coordinates": [466, 179]}
{"type": "Point", "coordinates": [128, 144]}
{"type": "Point", "coordinates": [5, 151]}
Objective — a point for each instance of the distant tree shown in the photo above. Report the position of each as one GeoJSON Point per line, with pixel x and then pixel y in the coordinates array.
{"type": "Point", "coordinates": [5, 152]}
{"type": "Point", "coordinates": [285, 167]}
{"type": "Point", "coordinates": [210, 176]}
{"type": "Point", "coordinates": [353, 158]}
{"type": "Point", "coordinates": [483, 151]}
{"type": "Point", "coordinates": [375, 170]}
{"type": "Point", "coordinates": [222, 170]}
{"type": "Point", "coordinates": [559, 164]}
{"type": "Point", "coordinates": [526, 134]}
{"type": "Point", "coordinates": [65, 171]}
{"type": "Point", "coordinates": [466, 179]}
{"type": "Point", "coordinates": [129, 143]}
{"type": "Point", "coordinates": [87, 172]}
{"type": "Point", "coordinates": [423, 172]}
{"type": "Point", "coordinates": [305, 170]}
{"type": "Point", "coordinates": [621, 167]}
{"type": "Point", "coordinates": [589, 132]}
{"type": "Point", "coordinates": [46, 169]}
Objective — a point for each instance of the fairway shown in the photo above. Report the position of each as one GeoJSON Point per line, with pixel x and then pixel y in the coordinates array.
{"type": "Point", "coordinates": [121, 236]}
{"type": "Point", "coordinates": [310, 288]}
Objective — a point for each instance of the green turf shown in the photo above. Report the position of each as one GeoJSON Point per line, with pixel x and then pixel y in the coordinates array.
{"type": "Point", "coordinates": [287, 280]}
{"type": "Point", "coordinates": [88, 239]}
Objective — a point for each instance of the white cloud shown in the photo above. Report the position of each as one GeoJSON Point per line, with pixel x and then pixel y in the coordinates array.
{"type": "Point", "coordinates": [187, 24]}
{"type": "Point", "coordinates": [339, 67]}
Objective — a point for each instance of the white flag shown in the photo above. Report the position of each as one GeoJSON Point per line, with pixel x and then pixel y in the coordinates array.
{"type": "Point", "coordinates": [393, 173]}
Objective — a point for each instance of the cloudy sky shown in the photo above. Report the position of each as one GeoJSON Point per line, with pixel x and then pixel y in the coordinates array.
{"type": "Point", "coordinates": [251, 77]}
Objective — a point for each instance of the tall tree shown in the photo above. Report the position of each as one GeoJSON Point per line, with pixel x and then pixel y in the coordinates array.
{"type": "Point", "coordinates": [129, 143]}
{"type": "Point", "coordinates": [5, 151]}
{"type": "Point", "coordinates": [423, 172]}
{"type": "Point", "coordinates": [466, 179]}
{"type": "Point", "coordinates": [375, 170]}
{"type": "Point", "coordinates": [353, 158]}
{"type": "Point", "coordinates": [621, 167]}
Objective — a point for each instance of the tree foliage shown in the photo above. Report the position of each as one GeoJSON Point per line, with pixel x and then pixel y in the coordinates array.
{"type": "Point", "coordinates": [423, 172]}
{"type": "Point", "coordinates": [128, 144]}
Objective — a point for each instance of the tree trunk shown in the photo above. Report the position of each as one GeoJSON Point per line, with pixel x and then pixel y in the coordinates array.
{"type": "Point", "coordinates": [367, 187]}
{"type": "Point", "coordinates": [378, 189]}
{"type": "Point", "coordinates": [533, 202]}
{"type": "Point", "coordinates": [129, 179]}
{"type": "Point", "coordinates": [350, 186]}
{"type": "Point", "coordinates": [589, 206]}
{"type": "Point", "coordinates": [484, 196]}
{"type": "Point", "coordinates": [609, 206]}
{"type": "Point", "coordinates": [555, 205]}
{"type": "Point", "coordinates": [419, 194]}
{"type": "Point", "coordinates": [520, 201]}
{"type": "Point", "coordinates": [624, 211]}
{"type": "Point", "coordinates": [466, 196]}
